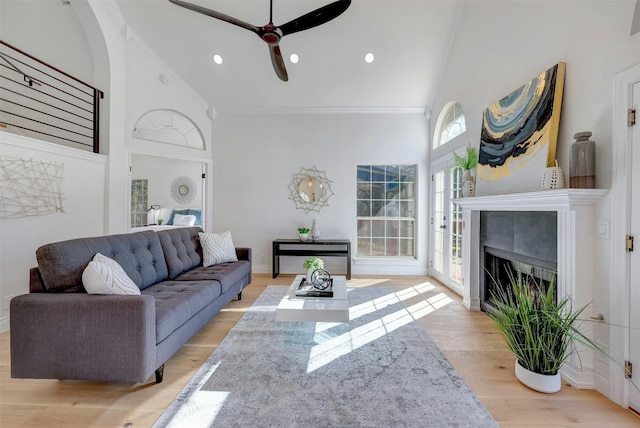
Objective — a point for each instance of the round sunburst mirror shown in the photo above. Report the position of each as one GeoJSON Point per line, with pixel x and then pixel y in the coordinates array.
{"type": "Point", "coordinates": [310, 189]}
{"type": "Point", "coordinates": [183, 190]}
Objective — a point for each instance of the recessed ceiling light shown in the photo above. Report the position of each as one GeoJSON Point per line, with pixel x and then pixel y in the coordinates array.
{"type": "Point", "coordinates": [294, 58]}
{"type": "Point", "coordinates": [217, 59]}
{"type": "Point", "coordinates": [369, 58]}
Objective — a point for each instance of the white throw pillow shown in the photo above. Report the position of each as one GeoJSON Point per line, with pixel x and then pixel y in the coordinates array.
{"type": "Point", "coordinates": [184, 220]}
{"type": "Point", "coordinates": [105, 276]}
{"type": "Point", "coordinates": [217, 248]}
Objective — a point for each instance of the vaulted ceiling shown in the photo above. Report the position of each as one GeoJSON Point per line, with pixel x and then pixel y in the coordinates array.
{"type": "Point", "coordinates": [409, 39]}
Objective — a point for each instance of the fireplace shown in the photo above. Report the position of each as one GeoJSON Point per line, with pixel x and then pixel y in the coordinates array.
{"type": "Point", "coordinates": [500, 266]}
{"type": "Point", "coordinates": [516, 241]}
{"type": "Point", "coordinates": [568, 248]}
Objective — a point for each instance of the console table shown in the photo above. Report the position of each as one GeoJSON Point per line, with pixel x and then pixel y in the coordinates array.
{"type": "Point", "coordinates": [318, 248]}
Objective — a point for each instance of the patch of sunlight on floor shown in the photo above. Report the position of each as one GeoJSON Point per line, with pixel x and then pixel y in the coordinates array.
{"type": "Point", "coordinates": [200, 410]}
{"type": "Point", "coordinates": [334, 348]}
{"type": "Point", "coordinates": [197, 408]}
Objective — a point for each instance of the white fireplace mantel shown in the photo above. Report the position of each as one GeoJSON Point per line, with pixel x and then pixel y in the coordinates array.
{"type": "Point", "coordinates": [576, 229]}
{"type": "Point", "coordinates": [547, 200]}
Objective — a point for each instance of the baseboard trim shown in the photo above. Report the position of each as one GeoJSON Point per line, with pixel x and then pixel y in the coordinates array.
{"type": "Point", "coordinates": [580, 378]}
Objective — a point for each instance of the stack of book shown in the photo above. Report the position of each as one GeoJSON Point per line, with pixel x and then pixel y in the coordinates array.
{"type": "Point", "coordinates": [306, 289]}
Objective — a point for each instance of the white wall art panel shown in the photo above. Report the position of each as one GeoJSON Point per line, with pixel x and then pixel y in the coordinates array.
{"type": "Point", "coordinates": [30, 187]}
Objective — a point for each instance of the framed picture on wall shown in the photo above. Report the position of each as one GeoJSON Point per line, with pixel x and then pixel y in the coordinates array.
{"type": "Point", "coordinates": [519, 135]}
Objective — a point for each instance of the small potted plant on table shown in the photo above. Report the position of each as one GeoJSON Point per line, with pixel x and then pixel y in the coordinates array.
{"type": "Point", "coordinates": [312, 264]}
{"type": "Point", "coordinates": [303, 232]}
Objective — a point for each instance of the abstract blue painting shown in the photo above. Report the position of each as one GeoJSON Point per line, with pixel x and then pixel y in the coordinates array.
{"type": "Point", "coordinates": [519, 135]}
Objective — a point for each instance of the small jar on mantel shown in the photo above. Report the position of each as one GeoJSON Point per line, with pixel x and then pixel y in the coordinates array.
{"type": "Point", "coordinates": [582, 167]}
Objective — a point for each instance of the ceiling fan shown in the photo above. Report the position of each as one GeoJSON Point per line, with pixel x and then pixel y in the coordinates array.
{"type": "Point", "coordinates": [272, 34]}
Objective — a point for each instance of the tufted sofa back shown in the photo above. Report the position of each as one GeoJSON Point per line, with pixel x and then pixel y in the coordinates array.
{"type": "Point", "coordinates": [140, 254]}
{"type": "Point", "coordinates": [182, 250]}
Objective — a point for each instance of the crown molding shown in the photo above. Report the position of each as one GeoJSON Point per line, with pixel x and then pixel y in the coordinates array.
{"type": "Point", "coordinates": [322, 110]}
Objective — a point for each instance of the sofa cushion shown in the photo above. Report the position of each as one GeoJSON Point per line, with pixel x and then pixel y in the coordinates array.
{"type": "Point", "coordinates": [226, 273]}
{"type": "Point", "coordinates": [181, 248]}
{"type": "Point", "coordinates": [178, 301]}
{"type": "Point", "coordinates": [140, 254]}
{"type": "Point", "coordinates": [217, 248]}
{"type": "Point", "coordinates": [105, 276]}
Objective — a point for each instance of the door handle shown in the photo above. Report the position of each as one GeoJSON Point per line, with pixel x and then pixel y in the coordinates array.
{"type": "Point", "coordinates": [443, 226]}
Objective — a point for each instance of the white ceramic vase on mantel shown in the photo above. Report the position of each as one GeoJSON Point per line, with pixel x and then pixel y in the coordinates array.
{"type": "Point", "coordinates": [538, 382]}
{"type": "Point", "coordinates": [468, 185]}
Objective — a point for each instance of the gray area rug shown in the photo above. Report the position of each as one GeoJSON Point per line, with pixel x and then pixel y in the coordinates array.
{"type": "Point", "coordinates": [379, 370]}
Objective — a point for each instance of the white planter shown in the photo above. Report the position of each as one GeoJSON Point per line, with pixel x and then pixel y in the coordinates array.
{"type": "Point", "coordinates": [468, 185]}
{"type": "Point", "coordinates": [304, 236]}
{"type": "Point", "coordinates": [539, 382]}
{"type": "Point", "coordinates": [309, 275]}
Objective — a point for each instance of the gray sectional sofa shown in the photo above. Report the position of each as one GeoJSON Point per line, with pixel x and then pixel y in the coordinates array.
{"type": "Point", "coordinates": [58, 331]}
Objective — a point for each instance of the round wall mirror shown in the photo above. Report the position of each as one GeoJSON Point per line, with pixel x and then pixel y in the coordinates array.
{"type": "Point", "coordinates": [183, 190]}
{"type": "Point", "coordinates": [310, 189]}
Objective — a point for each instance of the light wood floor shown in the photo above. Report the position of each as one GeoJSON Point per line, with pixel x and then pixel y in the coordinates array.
{"type": "Point", "coordinates": [466, 338]}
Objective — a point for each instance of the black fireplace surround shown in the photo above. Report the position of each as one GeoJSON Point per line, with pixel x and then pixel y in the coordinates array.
{"type": "Point", "coordinates": [523, 241]}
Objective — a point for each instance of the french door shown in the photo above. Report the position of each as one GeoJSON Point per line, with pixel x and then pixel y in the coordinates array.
{"type": "Point", "coordinates": [446, 225]}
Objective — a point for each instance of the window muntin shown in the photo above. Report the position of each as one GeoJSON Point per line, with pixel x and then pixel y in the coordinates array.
{"type": "Point", "coordinates": [455, 262]}
{"type": "Point", "coordinates": [385, 203]}
{"type": "Point", "coordinates": [139, 202]}
{"type": "Point", "coordinates": [451, 123]}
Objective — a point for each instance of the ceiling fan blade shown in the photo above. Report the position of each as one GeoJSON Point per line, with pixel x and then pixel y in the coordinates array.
{"type": "Point", "coordinates": [217, 15]}
{"type": "Point", "coordinates": [278, 62]}
{"type": "Point", "coordinates": [315, 18]}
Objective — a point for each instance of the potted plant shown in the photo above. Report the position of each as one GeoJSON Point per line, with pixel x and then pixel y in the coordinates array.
{"type": "Point", "coordinates": [311, 264]}
{"type": "Point", "coordinates": [303, 232]}
{"type": "Point", "coordinates": [538, 330]}
{"type": "Point", "coordinates": [160, 221]}
{"type": "Point", "coordinates": [467, 162]}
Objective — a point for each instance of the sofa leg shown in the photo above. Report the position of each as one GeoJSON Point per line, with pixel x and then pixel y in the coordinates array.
{"type": "Point", "coordinates": [159, 374]}
{"type": "Point", "coordinates": [240, 295]}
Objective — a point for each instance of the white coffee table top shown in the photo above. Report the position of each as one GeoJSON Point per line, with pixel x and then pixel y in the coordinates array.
{"type": "Point", "coordinates": [315, 309]}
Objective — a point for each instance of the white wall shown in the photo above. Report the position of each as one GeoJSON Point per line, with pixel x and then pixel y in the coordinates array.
{"type": "Point", "coordinates": [256, 155]}
{"type": "Point", "coordinates": [83, 189]}
{"type": "Point", "coordinates": [501, 45]}
{"type": "Point", "coordinates": [23, 23]}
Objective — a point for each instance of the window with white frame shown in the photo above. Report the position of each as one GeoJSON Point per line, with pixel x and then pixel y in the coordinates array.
{"type": "Point", "coordinates": [139, 203]}
{"type": "Point", "coordinates": [386, 210]}
{"type": "Point", "coordinates": [451, 123]}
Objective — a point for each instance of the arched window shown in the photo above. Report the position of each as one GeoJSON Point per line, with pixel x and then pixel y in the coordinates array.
{"type": "Point", "coordinates": [169, 126]}
{"type": "Point", "coordinates": [450, 124]}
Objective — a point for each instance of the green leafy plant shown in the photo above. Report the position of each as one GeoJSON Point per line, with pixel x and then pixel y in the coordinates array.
{"type": "Point", "coordinates": [303, 230]}
{"type": "Point", "coordinates": [313, 263]}
{"type": "Point", "coordinates": [160, 221]}
{"type": "Point", "coordinates": [538, 330]}
{"type": "Point", "coordinates": [467, 161]}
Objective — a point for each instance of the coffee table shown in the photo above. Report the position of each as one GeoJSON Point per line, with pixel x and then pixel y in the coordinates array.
{"type": "Point", "coordinates": [315, 309]}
